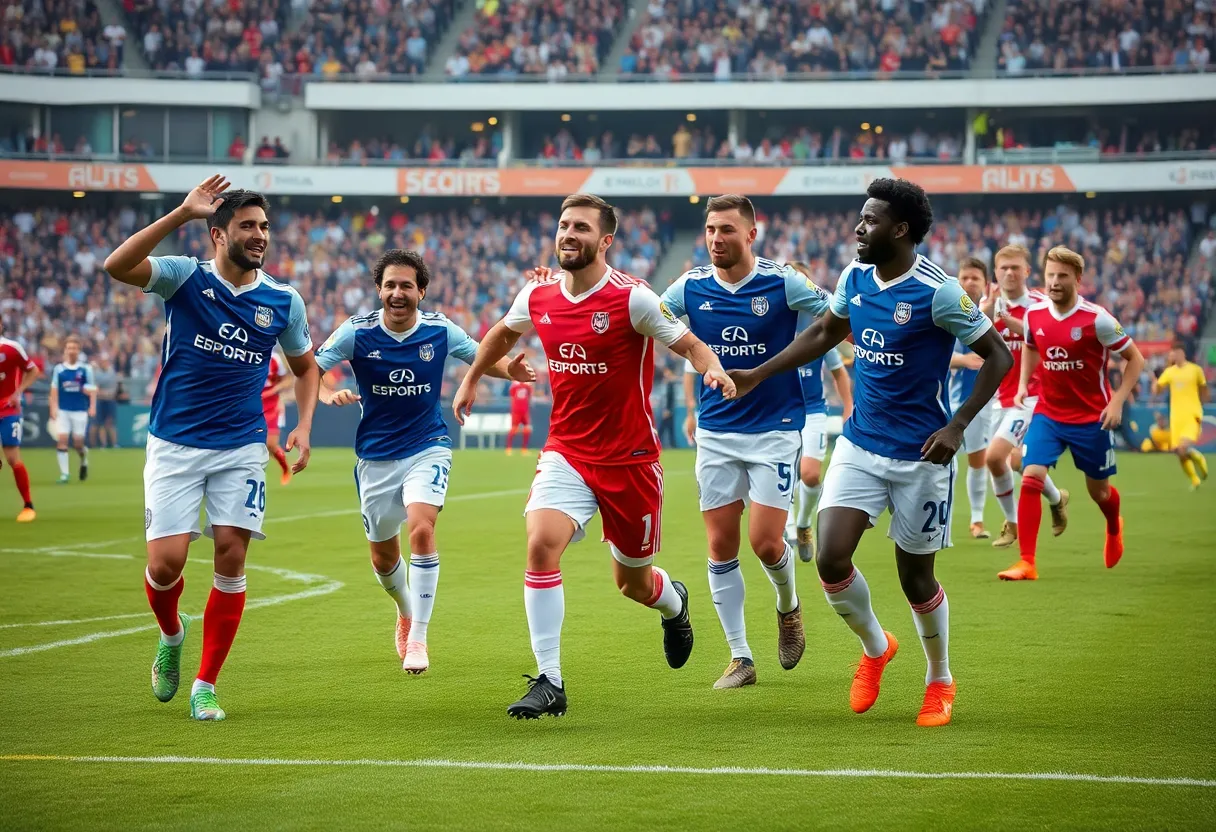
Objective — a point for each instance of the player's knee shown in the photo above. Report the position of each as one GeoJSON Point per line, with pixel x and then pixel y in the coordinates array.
{"type": "Point", "coordinates": [164, 572]}
{"type": "Point", "coordinates": [919, 584]}
{"type": "Point", "coordinates": [635, 590]}
{"type": "Point", "coordinates": [422, 537]}
{"type": "Point", "coordinates": [230, 557]}
{"type": "Point", "coordinates": [1099, 490]}
{"type": "Point", "coordinates": [811, 477]}
{"type": "Point", "coordinates": [768, 549]}
{"type": "Point", "coordinates": [833, 563]}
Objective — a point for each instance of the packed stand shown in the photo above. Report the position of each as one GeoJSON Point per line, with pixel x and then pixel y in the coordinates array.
{"type": "Point", "coordinates": [197, 36]}
{"type": "Point", "coordinates": [1139, 137]}
{"type": "Point", "coordinates": [555, 38]}
{"type": "Point", "coordinates": [59, 36]}
{"type": "Point", "coordinates": [480, 149]}
{"type": "Point", "coordinates": [773, 38]}
{"type": "Point", "coordinates": [1068, 36]}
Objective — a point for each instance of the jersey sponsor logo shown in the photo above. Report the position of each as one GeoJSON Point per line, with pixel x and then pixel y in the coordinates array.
{"type": "Point", "coordinates": [903, 313]}
{"type": "Point", "coordinates": [706, 307]}
{"type": "Point", "coordinates": [1057, 360]}
{"type": "Point", "coordinates": [230, 333]}
{"type": "Point", "coordinates": [544, 319]}
{"type": "Point", "coordinates": [873, 350]}
{"type": "Point", "coordinates": [666, 312]}
{"type": "Point", "coordinates": [1075, 333]}
{"type": "Point", "coordinates": [426, 352]}
{"type": "Point", "coordinates": [873, 339]}
{"type": "Point", "coordinates": [402, 376]}
{"type": "Point", "coordinates": [760, 305]}
{"type": "Point", "coordinates": [599, 323]}
{"type": "Point", "coordinates": [209, 292]}
{"type": "Point", "coordinates": [737, 342]}
{"type": "Point", "coordinates": [969, 308]}
{"type": "Point", "coordinates": [264, 316]}
{"type": "Point", "coordinates": [574, 361]}
{"type": "Point", "coordinates": [401, 384]}
{"type": "Point", "coordinates": [856, 301]}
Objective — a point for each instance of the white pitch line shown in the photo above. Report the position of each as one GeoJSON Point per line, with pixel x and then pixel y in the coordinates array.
{"type": "Point", "coordinates": [582, 768]}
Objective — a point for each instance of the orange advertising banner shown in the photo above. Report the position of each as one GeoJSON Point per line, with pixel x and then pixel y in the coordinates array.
{"type": "Point", "coordinates": [76, 176]}
{"type": "Point", "coordinates": [986, 179]}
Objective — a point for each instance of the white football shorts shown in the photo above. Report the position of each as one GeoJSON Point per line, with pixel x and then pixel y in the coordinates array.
{"type": "Point", "coordinates": [386, 487]}
{"type": "Point", "coordinates": [72, 423]}
{"type": "Point", "coordinates": [1013, 422]}
{"type": "Point", "coordinates": [815, 436]}
{"type": "Point", "coordinates": [920, 495]}
{"type": "Point", "coordinates": [177, 478]}
{"type": "Point", "coordinates": [752, 467]}
{"type": "Point", "coordinates": [978, 434]}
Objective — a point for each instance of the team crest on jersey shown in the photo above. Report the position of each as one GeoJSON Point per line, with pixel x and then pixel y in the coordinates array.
{"type": "Point", "coordinates": [147, 519]}
{"type": "Point", "coordinates": [1076, 333]}
{"type": "Point", "coordinates": [666, 312]}
{"type": "Point", "coordinates": [760, 305]}
{"type": "Point", "coordinates": [599, 322]}
{"type": "Point", "coordinates": [426, 352]}
{"type": "Point", "coordinates": [263, 316]}
{"type": "Point", "coordinates": [903, 313]}
{"type": "Point", "coordinates": [969, 308]}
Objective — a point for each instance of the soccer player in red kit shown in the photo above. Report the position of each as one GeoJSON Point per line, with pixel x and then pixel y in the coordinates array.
{"type": "Point", "coordinates": [521, 420]}
{"type": "Point", "coordinates": [17, 372]}
{"type": "Point", "coordinates": [278, 379]}
{"type": "Point", "coordinates": [597, 326]}
{"type": "Point", "coordinates": [1069, 339]}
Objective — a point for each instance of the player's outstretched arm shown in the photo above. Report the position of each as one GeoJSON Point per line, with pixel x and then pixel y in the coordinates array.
{"type": "Point", "coordinates": [705, 361]}
{"type": "Point", "coordinates": [499, 341]}
{"type": "Point", "coordinates": [129, 262]}
{"type": "Point", "coordinates": [690, 408]}
{"type": "Point", "coordinates": [813, 342]}
{"type": "Point", "coordinates": [308, 384]}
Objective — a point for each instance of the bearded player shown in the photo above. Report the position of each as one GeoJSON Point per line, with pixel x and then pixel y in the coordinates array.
{"type": "Point", "coordinates": [1075, 409]}
{"type": "Point", "coordinates": [207, 432]}
{"type": "Point", "coordinates": [17, 372]}
{"type": "Point", "coordinates": [278, 380]}
{"type": "Point", "coordinates": [597, 326]}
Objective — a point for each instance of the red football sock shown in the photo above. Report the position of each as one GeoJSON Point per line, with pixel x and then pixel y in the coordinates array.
{"type": "Point", "coordinates": [1030, 514]}
{"type": "Point", "coordinates": [163, 601]}
{"type": "Point", "coordinates": [22, 477]}
{"type": "Point", "coordinates": [524, 442]}
{"type": "Point", "coordinates": [220, 622]}
{"type": "Point", "coordinates": [281, 458]}
{"type": "Point", "coordinates": [510, 437]}
{"type": "Point", "coordinates": [1110, 509]}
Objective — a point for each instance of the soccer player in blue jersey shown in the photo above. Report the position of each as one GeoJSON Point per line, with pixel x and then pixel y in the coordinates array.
{"type": "Point", "coordinates": [404, 452]}
{"type": "Point", "coordinates": [207, 434]}
{"type": "Point", "coordinates": [898, 447]}
{"type": "Point", "coordinates": [964, 369]}
{"type": "Point", "coordinates": [73, 403]}
{"type": "Point", "coordinates": [746, 308]}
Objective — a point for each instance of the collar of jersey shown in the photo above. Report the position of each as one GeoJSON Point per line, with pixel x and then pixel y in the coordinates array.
{"type": "Point", "coordinates": [65, 365]}
{"type": "Point", "coordinates": [1051, 307]}
{"type": "Point", "coordinates": [735, 287]}
{"type": "Point", "coordinates": [580, 298]}
{"type": "Point", "coordinates": [895, 281]}
{"type": "Point", "coordinates": [235, 290]}
{"type": "Point", "coordinates": [400, 336]}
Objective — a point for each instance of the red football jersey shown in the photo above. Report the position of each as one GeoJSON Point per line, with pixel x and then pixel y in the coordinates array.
{"type": "Point", "coordinates": [600, 350]}
{"type": "Point", "coordinates": [1016, 309]}
{"type": "Point", "coordinates": [14, 364]}
{"type": "Point", "coordinates": [521, 396]}
{"type": "Point", "coordinates": [275, 374]}
{"type": "Point", "coordinates": [1074, 348]}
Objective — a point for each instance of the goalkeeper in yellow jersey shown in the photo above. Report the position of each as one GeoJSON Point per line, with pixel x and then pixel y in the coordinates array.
{"type": "Point", "coordinates": [1188, 391]}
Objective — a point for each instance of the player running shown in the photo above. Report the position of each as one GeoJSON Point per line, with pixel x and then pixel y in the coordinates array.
{"type": "Point", "coordinates": [1075, 408]}
{"type": "Point", "coordinates": [73, 403]}
{"type": "Point", "coordinates": [404, 453]}
{"type": "Point", "coordinates": [1007, 308]}
{"type": "Point", "coordinates": [747, 450]}
{"type": "Point", "coordinates": [17, 372]}
{"type": "Point", "coordinates": [520, 394]}
{"type": "Point", "coordinates": [815, 438]}
{"type": "Point", "coordinates": [898, 448]}
{"type": "Point", "coordinates": [207, 434]}
{"type": "Point", "coordinates": [596, 326]}
{"type": "Point", "coordinates": [964, 367]}
{"type": "Point", "coordinates": [1188, 391]}
{"type": "Point", "coordinates": [278, 380]}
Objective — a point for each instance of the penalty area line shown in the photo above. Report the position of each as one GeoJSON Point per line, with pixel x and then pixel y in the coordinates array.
{"type": "Point", "coordinates": [585, 768]}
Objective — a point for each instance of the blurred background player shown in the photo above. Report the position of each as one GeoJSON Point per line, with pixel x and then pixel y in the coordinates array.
{"type": "Point", "coordinates": [904, 313]}
{"type": "Point", "coordinates": [17, 372]}
{"type": "Point", "coordinates": [1188, 391]}
{"type": "Point", "coordinates": [103, 432]}
{"type": "Point", "coordinates": [520, 394]}
{"type": "Point", "coordinates": [815, 438]}
{"type": "Point", "coordinates": [1007, 308]}
{"type": "Point", "coordinates": [597, 326]}
{"type": "Point", "coordinates": [1158, 436]}
{"type": "Point", "coordinates": [1075, 408]}
{"type": "Point", "coordinates": [207, 432]}
{"type": "Point", "coordinates": [747, 450]}
{"type": "Point", "coordinates": [964, 367]}
{"type": "Point", "coordinates": [73, 404]}
{"type": "Point", "coordinates": [278, 380]}
{"type": "Point", "coordinates": [404, 452]}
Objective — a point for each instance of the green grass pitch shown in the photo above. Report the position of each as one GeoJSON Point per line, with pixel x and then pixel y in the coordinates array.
{"type": "Point", "coordinates": [1088, 672]}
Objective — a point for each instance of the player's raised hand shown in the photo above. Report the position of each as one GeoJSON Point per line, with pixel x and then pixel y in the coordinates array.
{"type": "Point", "coordinates": [519, 369]}
{"type": "Point", "coordinates": [205, 198]}
{"type": "Point", "coordinates": [1112, 415]}
{"type": "Point", "coordinates": [462, 404]}
{"type": "Point", "coordinates": [745, 382]}
{"type": "Point", "coordinates": [943, 445]}
{"type": "Point", "coordinates": [538, 273]}
{"type": "Point", "coordinates": [341, 398]}
{"type": "Point", "coordinates": [299, 439]}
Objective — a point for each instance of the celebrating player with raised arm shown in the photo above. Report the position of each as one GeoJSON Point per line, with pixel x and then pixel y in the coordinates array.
{"type": "Point", "coordinates": [73, 403]}
{"type": "Point", "coordinates": [898, 447]}
{"type": "Point", "coordinates": [1068, 342]}
{"type": "Point", "coordinates": [17, 372]}
{"type": "Point", "coordinates": [207, 434]}
{"type": "Point", "coordinates": [398, 355]}
{"type": "Point", "coordinates": [743, 307]}
{"type": "Point", "coordinates": [597, 326]}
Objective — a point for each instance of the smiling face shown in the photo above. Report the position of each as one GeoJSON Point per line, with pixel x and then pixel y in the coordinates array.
{"type": "Point", "coordinates": [579, 242]}
{"type": "Point", "coordinates": [728, 236]}
{"type": "Point", "coordinates": [245, 239]}
{"type": "Point", "coordinates": [399, 294]}
{"type": "Point", "coordinates": [877, 232]}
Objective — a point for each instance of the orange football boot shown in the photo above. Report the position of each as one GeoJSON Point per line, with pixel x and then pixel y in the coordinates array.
{"type": "Point", "coordinates": [868, 677]}
{"type": "Point", "coordinates": [1113, 550]}
{"type": "Point", "coordinates": [939, 704]}
{"type": "Point", "coordinates": [1023, 570]}
{"type": "Point", "coordinates": [26, 515]}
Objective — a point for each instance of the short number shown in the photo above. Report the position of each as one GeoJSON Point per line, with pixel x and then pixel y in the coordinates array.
{"type": "Point", "coordinates": [1110, 453]}
{"type": "Point", "coordinates": [441, 476]}
{"type": "Point", "coordinates": [367, 526]}
{"type": "Point", "coordinates": [785, 474]}
{"type": "Point", "coordinates": [937, 512]}
{"type": "Point", "coordinates": [1017, 427]}
{"type": "Point", "coordinates": [257, 495]}
{"type": "Point", "coordinates": [17, 430]}
{"type": "Point", "coordinates": [647, 528]}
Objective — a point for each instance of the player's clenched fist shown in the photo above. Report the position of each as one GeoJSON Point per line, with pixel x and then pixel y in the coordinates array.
{"type": "Point", "coordinates": [744, 382]}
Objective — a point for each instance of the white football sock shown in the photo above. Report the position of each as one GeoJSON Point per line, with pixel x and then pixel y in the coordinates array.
{"type": "Point", "coordinates": [782, 575]}
{"type": "Point", "coordinates": [728, 591]}
{"type": "Point", "coordinates": [1051, 492]}
{"type": "Point", "coordinates": [1002, 487]}
{"type": "Point", "coordinates": [63, 462]}
{"type": "Point", "coordinates": [808, 501]}
{"type": "Point", "coordinates": [668, 603]}
{"type": "Point", "coordinates": [933, 623]}
{"type": "Point", "coordinates": [84, 454]}
{"type": "Point", "coordinates": [545, 604]}
{"type": "Point", "coordinates": [394, 584]}
{"type": "Point", "coordinates": [199, 684]}
{"type": "Point", "coordinates": [424, 579]}
{"type": "Point", "coordinates": [977, 492]}
{"type": "Point", "coordinates": [851, 600]}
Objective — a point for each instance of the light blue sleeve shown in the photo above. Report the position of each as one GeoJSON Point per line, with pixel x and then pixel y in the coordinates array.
{"type": "Point", "coordinates": [460, 344]}
{"type": "Point", "coordinates": [296, 339]}
{"type": "Point", "coordinates": [169, 273]}
{"type": "Point", "coordinates": [803, 294]}
{"type": "Point", "coordinates": [840, 299]}
{"type": "Point", "coordinates": [90, 383]}
{"type": "Point", "coordinates": [673, 297]}
{"type": "Point", "coordinates": [55, 375]}
{"type": "Point", "coordinates": [956, 313]}
{"type": "Point", "coordinates": [832, 360]}
{"type": "Point", "coordinates": [337, 348]}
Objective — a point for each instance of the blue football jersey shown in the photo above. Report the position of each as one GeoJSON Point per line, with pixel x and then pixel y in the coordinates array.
{"type": "Point", "coordinates": [216, 352]}
{"type": "Point", "coordinates": [903, 333]}
{"type": "Point", "coordinates": [746, 324]}
{"type": "Point", "coordinates": [811, 376]}
{"type": "Point", "coordinates": [73, 383]}
{"type": "Point", "coordinates": [962, 380]}
{"type": "Point", "coordinates": [399, 376]}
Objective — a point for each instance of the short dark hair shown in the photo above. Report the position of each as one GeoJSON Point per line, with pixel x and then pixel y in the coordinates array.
{"type": "Point", "coordinates": [908, 203]}
{"type": "Point", "coordinates": [974, 263]}
{"type": "Point", "coordinates": [608, 219]}
{"type": "Point", "coordinates": [732, 202]}
{"type": "Point", "coordinates": [234, 201]}
{"type": "Point", "coordinates": [402, 257]}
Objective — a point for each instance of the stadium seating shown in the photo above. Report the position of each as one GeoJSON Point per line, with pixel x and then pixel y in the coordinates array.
{"type": "Point", "coordinates": [61, 35]}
